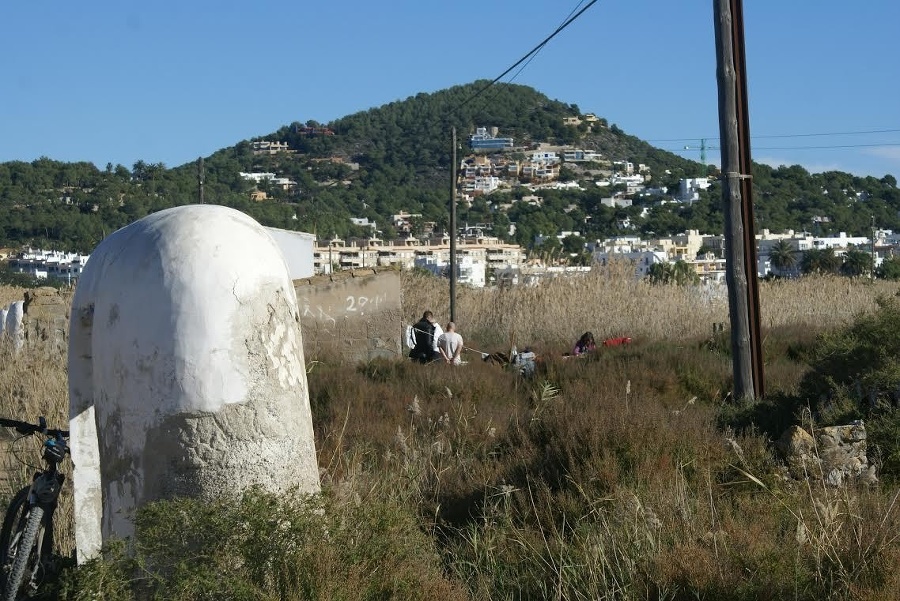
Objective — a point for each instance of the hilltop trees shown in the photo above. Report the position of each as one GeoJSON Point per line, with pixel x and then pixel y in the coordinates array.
{"type": "Point", "coordinates": [402, 153]}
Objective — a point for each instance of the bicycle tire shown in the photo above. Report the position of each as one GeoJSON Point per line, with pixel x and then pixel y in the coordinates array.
{"type": "Point", "coordinates": [24, 557]}
{"type": "Point", "coordinates": [13, 522]}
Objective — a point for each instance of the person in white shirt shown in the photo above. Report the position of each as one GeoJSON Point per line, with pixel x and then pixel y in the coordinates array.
{"type": "Point", "coordinates": [450, 345]}
{"type": "Point", "coordinates": [423, 339]}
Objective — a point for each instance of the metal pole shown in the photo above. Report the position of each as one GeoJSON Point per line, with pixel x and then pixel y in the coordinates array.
{"type": "Point", "coordinates": [453, 229]}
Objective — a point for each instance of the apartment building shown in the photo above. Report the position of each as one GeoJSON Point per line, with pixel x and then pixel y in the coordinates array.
{"type": "Point", "coordinates": [45, 264]}
{"type": "Point", "coordinates": [484, 251]}
{"type": "Point", "coordinates": [265, 147]}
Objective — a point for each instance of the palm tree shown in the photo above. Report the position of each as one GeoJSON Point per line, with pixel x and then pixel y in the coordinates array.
{"type": "Point", "coordinates": [660, 273]}
{"type": "Point", "coordinates": [856, 263]}
{"type": "Point", "coordinates": [782, 256]}
{"type": "Point", "coordinates": [684, 274]}
{"type": "Point", "coordinates": [820, 260]}
{"type": "Point", "coordinates": [679, 273]}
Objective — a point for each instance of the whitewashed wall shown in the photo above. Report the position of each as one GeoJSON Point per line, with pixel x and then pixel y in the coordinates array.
{"type": "Point", "coordinates": [186, 369]}
{"type": "Point", "coordinates": [298, 249]}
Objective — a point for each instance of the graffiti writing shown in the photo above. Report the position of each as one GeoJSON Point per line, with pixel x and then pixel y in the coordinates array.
{"type": "Point", "coordinates": [317, 313]}
{"type": "Point", "coordinates": [359, 304]}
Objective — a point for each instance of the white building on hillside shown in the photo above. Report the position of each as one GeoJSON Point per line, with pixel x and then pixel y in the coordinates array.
{"type": "Point", "coordinates": [44, 264]}
{"type": "Point", "coordinates": [642, 260]}
{"type": "Point", "coordinates": [689, 189]}
{"type": "Point", "coordinates": [470, 272]}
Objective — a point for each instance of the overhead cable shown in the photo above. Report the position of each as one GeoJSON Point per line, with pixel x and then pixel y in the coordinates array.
{"type": "Point", "coordinates": [527, 56]}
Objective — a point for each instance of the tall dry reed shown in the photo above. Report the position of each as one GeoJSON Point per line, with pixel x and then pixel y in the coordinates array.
{"type": "Point", "coordinates": [34, 383]}
{"type": "Point", "coordinates": [9, 294]}
{"type": "Point", "coordinates": [611, 302]}
{"type": "Point", "coordinates": [604, 478]}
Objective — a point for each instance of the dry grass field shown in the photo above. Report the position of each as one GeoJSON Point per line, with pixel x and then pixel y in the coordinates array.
{"type": "Point", "coordinates": [610, 477]}
{"type": "Point", "coordinates": [9, 294]}
{"type": "Point", "coordinates": [609, 303]}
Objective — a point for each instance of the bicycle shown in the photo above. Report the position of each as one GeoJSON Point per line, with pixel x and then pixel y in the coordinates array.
{"type": "Point", "coordinates": [26, 538]}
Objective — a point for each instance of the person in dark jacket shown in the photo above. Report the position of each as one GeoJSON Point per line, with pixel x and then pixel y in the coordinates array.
{"type": "Point", "coordinates": [426, 333]}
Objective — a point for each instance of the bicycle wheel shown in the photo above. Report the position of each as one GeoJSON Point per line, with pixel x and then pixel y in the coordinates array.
{"type": "Point", "coordinates": [24, 557]}
{"type": "Point", "coordinates": [13, 524]}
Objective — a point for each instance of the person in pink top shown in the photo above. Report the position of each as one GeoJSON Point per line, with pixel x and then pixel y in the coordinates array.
{"type": "Point", "coordinates": [585, 344]}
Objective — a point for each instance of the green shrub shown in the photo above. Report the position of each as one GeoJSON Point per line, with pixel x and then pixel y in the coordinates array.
{"type": "Point", "coordinates": [267, 547]}
{"type": "Point", "coordinates": [860, 361]}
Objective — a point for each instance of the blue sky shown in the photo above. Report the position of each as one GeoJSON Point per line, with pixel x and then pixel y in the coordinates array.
{"type": "Point", "coordinates": [169, 81]}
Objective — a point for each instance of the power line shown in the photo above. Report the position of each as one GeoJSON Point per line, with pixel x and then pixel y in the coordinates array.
{"type": "Point", "coordinates": [533, 56]}
{"type": "Point", "coordinates": [837, 133]}
{"type": "Point", "coordinates": [808, 135]}
{"type": "Point", "coordinates": [534, 50]}
{"type": "Point", "coordinates": [823, 147]}
{"type": "Point", "coordinates": [827, 147]}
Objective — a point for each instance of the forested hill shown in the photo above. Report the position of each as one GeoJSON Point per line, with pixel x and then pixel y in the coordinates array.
{"type": "Point", "coordinates": [397, 158]}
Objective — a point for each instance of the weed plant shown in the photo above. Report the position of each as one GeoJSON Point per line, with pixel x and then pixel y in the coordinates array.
{"type": "Point", "coordinates": [629, 474]}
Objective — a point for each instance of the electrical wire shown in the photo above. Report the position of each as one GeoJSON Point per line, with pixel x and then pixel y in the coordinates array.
{"type": "Point", "coordinates": [822, 147]}
{"type": "Point", "coordinates": [837, 133]}
{"type": "Point", "coordinates": [527, 56]}
{"type": "Point", "coordinates": [532, 57]}
{"type": "Point", "coordinates": [808, 135]}
{"type": "Point", "coordinates": [522, 68]}
{"type": "Point", "coordinates": [828, 147]}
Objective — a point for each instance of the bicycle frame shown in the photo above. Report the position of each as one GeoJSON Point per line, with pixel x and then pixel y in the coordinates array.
{"type": "Point", "coordinates": [19, 536]}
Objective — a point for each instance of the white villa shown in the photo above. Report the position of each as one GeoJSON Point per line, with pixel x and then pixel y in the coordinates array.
{"type": "Point", "coordinates": [46, 264]}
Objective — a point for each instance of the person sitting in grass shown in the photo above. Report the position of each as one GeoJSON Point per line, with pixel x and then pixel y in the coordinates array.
{"type": "Point", "coordinates": [426, 334]}
{"type": "Point", "coordinates": [585, 344]}
{"type": "Point", "coordinates": [450, 345]}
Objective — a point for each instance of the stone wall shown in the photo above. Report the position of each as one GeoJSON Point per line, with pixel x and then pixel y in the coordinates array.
{"type": "Point", "coordinates": [352, 314]}
{"type": "Point", "coordinates": [836, 454]}
{"type": "Point", "coordinates": [46, 320]}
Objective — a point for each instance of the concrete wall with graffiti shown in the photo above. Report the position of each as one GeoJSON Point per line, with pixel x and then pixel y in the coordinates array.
{"type": "Point", "coordinates": [355, 314]}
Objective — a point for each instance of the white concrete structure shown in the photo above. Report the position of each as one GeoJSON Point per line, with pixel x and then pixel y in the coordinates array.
{"type": "Point", "coordinates": [186, 370]}
{"type": "Point", "coordinates": [578, 155]}
{"type": "Point", "coordinates": [13, 331]}
{"type": "Point", "coordinates": [469, 270]}
{"type": "Point", "coordinates": [689, 189]}
{"type": "Point", "coordinates": [642, 260]}
{"type": "Point", "coordinates": [45, 264]}
{"type": "Point", "coordinates": [257, 176]}
{"type": "Point", "coordinates": [298, 249]}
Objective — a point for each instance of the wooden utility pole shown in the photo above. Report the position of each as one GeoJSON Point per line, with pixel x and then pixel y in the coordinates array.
{"type": "Point", "coordinates": [200, 175]}
{"type": "Point", "coordinates": [740, 231]}
{"type": "Point", "coordinates": [872, 263]}
{"type": "Point", "coordinates": [453, 228]}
